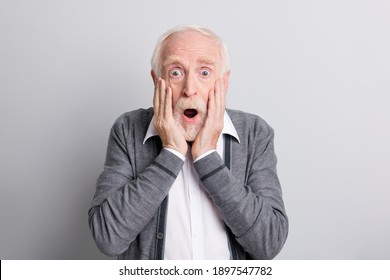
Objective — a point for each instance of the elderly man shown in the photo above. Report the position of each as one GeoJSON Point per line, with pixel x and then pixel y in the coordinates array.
{"type": "Point", "coordinates": [189, 179]}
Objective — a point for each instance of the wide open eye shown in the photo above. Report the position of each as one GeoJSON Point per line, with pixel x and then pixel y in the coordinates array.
{"type": "Point", "coordinates": [175, 73]}
{"type": "Point", "coordinates": [205, 72]}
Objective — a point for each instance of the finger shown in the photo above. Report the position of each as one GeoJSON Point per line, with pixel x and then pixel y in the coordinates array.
{"type": "Point", "coordinates": [220, 103]}
{"type": "Point", "coordinates": [162, 96]}
{"type": "Point", "coordinates": [219, 96]}
{"type": "Point", "coordinates": [168, 103]}
{"type": "Point", "coordinates": [223, 95]}
{"type": "Point", "coordinates": [156, 97]}
{"type": "Point", "coordinates": [211, 104]}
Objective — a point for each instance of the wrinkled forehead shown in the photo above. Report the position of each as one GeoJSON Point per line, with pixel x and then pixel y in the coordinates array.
{"type": "Point", "coordinates": [191, 43]}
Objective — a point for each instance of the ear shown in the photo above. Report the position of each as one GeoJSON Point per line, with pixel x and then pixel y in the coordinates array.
{"type": "Point", "coordinates": [154, 77]}
{"type": "Point", "coordinates": [226, 77]}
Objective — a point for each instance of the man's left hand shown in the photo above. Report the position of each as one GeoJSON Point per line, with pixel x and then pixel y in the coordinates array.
{"type": "Point", "coordinates": [208, 136]}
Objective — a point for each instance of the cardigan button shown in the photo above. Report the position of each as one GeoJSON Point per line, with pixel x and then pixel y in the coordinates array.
{"type": "Point", "coordinates": [160, 235]}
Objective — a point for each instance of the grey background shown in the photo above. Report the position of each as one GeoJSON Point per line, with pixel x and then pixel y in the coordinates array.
{"type": "Point", "coordinates": [317, 71]}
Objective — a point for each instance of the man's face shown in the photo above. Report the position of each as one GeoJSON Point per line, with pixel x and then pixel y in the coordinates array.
{"type": "Point", "coordinates": [191, 64]}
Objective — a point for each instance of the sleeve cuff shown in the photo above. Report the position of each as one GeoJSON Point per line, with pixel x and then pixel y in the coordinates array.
{"type": "Point", "coordinates": [204, 155]}
{"type": "Point", "coordinates": [209, 166]}
{"type": "Point", "coordinates": [176, 153]}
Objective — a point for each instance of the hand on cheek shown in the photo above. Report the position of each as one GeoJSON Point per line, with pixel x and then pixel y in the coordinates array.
{"type": "Point", "coordinates": [164, 123]}
{"type": "Point", "coordinates": [208, 136]}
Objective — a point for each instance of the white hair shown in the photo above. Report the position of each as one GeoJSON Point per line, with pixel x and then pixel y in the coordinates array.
{"type": "Point", "coordinates": [223, 51]}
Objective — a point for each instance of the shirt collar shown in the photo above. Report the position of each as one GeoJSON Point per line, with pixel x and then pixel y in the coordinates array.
{"type": "Point", "coordinates": [228, 128]}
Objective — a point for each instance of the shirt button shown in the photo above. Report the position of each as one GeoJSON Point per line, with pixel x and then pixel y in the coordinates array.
{"type": "Point", "coordinates": [160, 235]}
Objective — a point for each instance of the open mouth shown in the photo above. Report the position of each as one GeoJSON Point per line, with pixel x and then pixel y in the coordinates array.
{"type": "Point", "coordinates": [190, 113]}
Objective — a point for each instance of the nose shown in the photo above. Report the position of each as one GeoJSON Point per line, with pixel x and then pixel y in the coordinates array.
{"type": "Point", "coordinates": [190, 86]}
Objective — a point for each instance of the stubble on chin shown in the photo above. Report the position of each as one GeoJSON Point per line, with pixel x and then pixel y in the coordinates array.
{"type": "Point", "coordinates": [189, 130]}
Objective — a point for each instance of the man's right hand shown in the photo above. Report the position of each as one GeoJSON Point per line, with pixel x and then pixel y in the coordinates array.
{"type": "Point", "coordinates": [164, 123]}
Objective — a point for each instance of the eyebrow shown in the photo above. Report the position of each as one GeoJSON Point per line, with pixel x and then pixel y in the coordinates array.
{"type": "Point", "coordinates": [171, 60]}
{"type": "Point", "coordinates": [208, 61]}
{"type": "Point", "coordinates": [176, 59]}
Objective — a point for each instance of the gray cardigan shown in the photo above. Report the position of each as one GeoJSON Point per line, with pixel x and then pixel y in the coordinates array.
{"type": "Point", "coordinates": [127, 215]}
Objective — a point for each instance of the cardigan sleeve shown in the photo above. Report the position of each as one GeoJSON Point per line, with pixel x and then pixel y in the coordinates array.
{"type": "Point", "coordinates": [124, 204]}
{"type": "Point", "coordinates": [253, 211]}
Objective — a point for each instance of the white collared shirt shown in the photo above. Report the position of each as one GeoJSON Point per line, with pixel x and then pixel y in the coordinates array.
{"type": "Point", "coordinates": [194, 229]}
